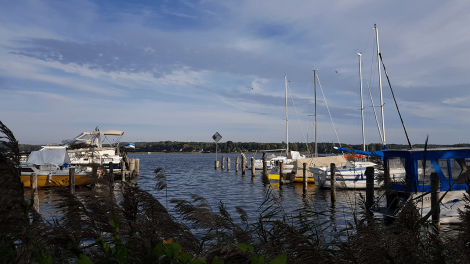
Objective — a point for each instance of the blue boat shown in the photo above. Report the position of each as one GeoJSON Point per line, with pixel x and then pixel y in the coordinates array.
{"type": "Point", "coordinates": [451, 164]}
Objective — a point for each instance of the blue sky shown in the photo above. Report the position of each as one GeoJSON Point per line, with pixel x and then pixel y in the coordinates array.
{"type": "Point", "coordinates": [183, 70]}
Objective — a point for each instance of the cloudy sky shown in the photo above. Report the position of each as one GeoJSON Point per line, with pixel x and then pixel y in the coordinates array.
{"type": "Point", "coordinates": [182, 70]}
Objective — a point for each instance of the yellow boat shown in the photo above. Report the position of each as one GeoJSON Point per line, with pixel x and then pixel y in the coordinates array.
{"type": "Point", "coordinates": [296, 179]}
{"type": "Point", "coordinates": [55, 180]}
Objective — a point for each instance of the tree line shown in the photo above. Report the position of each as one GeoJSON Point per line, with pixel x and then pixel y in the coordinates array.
{"type": "Point", "coordinates": [237, 147]}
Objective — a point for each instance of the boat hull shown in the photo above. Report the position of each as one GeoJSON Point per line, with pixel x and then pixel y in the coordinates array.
{"type": "Point", "coordinates": [56, 180]}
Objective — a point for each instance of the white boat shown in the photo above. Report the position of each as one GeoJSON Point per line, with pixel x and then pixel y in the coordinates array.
{"type": "Point", "coordinates": [350, 176]}
{"type": "Point", "coordinates": [99, 149]}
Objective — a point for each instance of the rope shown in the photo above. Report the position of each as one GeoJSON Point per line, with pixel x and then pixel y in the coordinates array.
{"type": "Point", "coordinates": [297, 114]}
{"type": "Point", "coordinates": [334, 128]}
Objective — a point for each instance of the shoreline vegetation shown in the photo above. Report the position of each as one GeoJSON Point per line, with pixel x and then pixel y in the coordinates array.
{"type": "Point", "coordinates": [98, 226]}
{"type": "Point", "coordinates": [246, 147]}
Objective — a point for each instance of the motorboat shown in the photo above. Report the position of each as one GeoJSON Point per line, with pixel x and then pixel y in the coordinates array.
{"type": "Point", "coordinates": [52, 169]}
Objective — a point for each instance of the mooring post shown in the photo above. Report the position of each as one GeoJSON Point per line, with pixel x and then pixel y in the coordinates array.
{"type": "Point", "coordinates": [111, 173]}
{"type": "Point", "coordinates": [223, 163]}
{"type": "Point", "coordinates": [72, 180]}
{"type": "Point", "coordinates": [131, 167]}
{"type": "Point", "coordinates": [228, 163]}
{"type": "Point", "coordinates": [34, 191]}
{"type": "Point", "coordinates": [237, 161]}
{"type": "Point", "coordinates": [137, 167]}
{"type": "Point", "coordinates": [305, 177]}
{"type": "Point", "coordinates": [243, 164]}
{"type": "Point", "coordinates": [253, 167]}
{"type": "Point", "coordinates": [281, 173]}
{"type": "Point", "coordinates": [435, 196]}
{"type": "Point", "coordinates": [333, 182]}
{"type": "Point", "coordinates": [123, 171]}
{"type": "Point", "coordinates": [216, 164]}
{"type": "Point", "coordinates": [369, 187]}
{"type": "Point", "coordinates": [265, 167]}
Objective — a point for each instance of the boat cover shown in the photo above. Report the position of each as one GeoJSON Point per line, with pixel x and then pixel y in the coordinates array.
{"type": "Point", "coordinates": [339, 161]}
{"type": "Point", "coordinates": [49, 156]}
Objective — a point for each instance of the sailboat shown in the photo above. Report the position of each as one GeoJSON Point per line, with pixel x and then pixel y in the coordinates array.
{"type": "Point", "coordinates": [353, 172]}
{"type": "Point", "coordinates": [273, 161]}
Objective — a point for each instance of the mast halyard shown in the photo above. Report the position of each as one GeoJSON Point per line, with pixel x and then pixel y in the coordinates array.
{"type": "Point", "coordinates": [362, 104]}
{"type": "Point", "coordinates": [287, 121]}
{"type": "Point", "coordinates": [380, 85]}
{"type": "Point", "coordinates": [315, 96]}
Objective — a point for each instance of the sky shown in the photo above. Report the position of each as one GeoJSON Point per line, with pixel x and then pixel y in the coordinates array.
{"type": "Point", "coordinates": [182, 70]}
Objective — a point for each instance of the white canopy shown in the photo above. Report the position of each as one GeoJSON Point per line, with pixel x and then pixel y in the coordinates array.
{"type": "Point", "coordinates": [49, 156]}
{"type": "Point", "coordinates": [112, 132]}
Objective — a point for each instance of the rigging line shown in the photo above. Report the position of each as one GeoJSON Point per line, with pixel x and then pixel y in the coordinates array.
{"type": "Point", "coordinates": [373, 107]}
{"type": "Point", "coordinates": [396, 104]}
{"type": "Point", "coordinates": [297, 114]}
{"type": "Point", "coordinates": [334, 128]}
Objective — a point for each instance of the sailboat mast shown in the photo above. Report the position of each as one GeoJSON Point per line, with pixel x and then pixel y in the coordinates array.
{"type": "Point", "coordinates": [380, 85]}
{"type": "Point", "coordinates": [362, 104]}
{"type": "Point", "coordinates": [315, 94]}
{"type": "Point", "coordinates": [287, 121]}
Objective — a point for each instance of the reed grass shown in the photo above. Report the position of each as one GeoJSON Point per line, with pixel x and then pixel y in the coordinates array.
{"type": "Point", "coordinates": [98, 227]}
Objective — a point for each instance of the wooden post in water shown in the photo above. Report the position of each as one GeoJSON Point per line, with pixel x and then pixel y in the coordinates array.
{"type": "Point", "coordinates": [369, 187]}
{"type": "Point", "coordinates": [243, 164]}
{"type": "Point", "coordinates": [94, 176]}
{"type": "Point", "coordinates": [237, 161]}
{"type": "Point", "coordinates": [123, 171]}
{"type": "Point", "coordinates": [228, 163]}
{"type": "Point", "coordinates": [305, 177]}
{"type": "Point", "coordinates": [34, 191]}
{"type": "Point", "coordinates": [223, 163]}
{"type": "Point", "coordinates": [216, 164]}
{"type": "Point", "coordinates": [333, 182]}
{"type": "Point", "coordinates": [111, 173]}
{"type": "Point", "coordinates": [435, 196]}
{"type": "Point", "coordinates": [137, 167]}
{"type": "Point", "coordinates": [265, 167]}
{"type": "Point", "coordinates": [281, 173]}
{"type": "Point", "coordinates": [72, 180]}
{"type": "Point", "coordinates": [132, 167]}
{"type": "Point", "coordinates": [253, 167]}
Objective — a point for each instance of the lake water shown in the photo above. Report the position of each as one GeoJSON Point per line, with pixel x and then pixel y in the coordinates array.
{"type": "Point", "coordinates": [196, 174]}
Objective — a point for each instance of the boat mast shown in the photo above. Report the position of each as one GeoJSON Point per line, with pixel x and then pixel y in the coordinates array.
{"type": "Point", "coordinates": [287, 122]}
{"type": "Point", "coordinates": [380, 84]}
{"type": "Point", "coordinates": [362, 105]}
{"type": "Point", "coordinates": [315, 92]}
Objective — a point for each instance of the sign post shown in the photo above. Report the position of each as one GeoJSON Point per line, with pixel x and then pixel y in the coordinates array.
{"type": "Point", "coordinates": [216, 137]}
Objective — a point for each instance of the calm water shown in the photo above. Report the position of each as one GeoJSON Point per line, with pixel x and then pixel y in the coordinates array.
{"type": "Point", "coordinates": [195, 174]}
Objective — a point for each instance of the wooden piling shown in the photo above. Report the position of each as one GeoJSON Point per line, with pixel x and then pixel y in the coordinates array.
{"type": "Point", "coordinates": [237, 161]}
{"type": "Point", "coordinates": [111, 173]}
{"type": "Point", "coordinates": [265, 167]}
{"type": "Point", "coordinates": [132, 167]}
{"type": "Point", "coordinates": [228, 163]}
{"type": "Point", "coordinates": [281, 173]}
{"type": "Point", "coordinates": [252, 167]}
{"type": "Point", "coordinates": [216, 164]}
{"type": "Point", "coordinates": [223, 163]}
{"type": "Point", "coordinates": [305, 177]}
{"type": "Point", "coordinates": [369, 187]}
{"type": "Point", "coordinates": [34, 191]}
{"type": "Point", "coordinates": [243, 164]}
{"type": "Point", "coordinates": [435, 196]}
{"type": "Point", "coordinates": [123, 171]}
{"type": "Point", "coordinates": [137, 167]}
{"type": "Point", "coordinates": [333, 182]}
{"type": "Point", "coordinates": [72, 180]}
